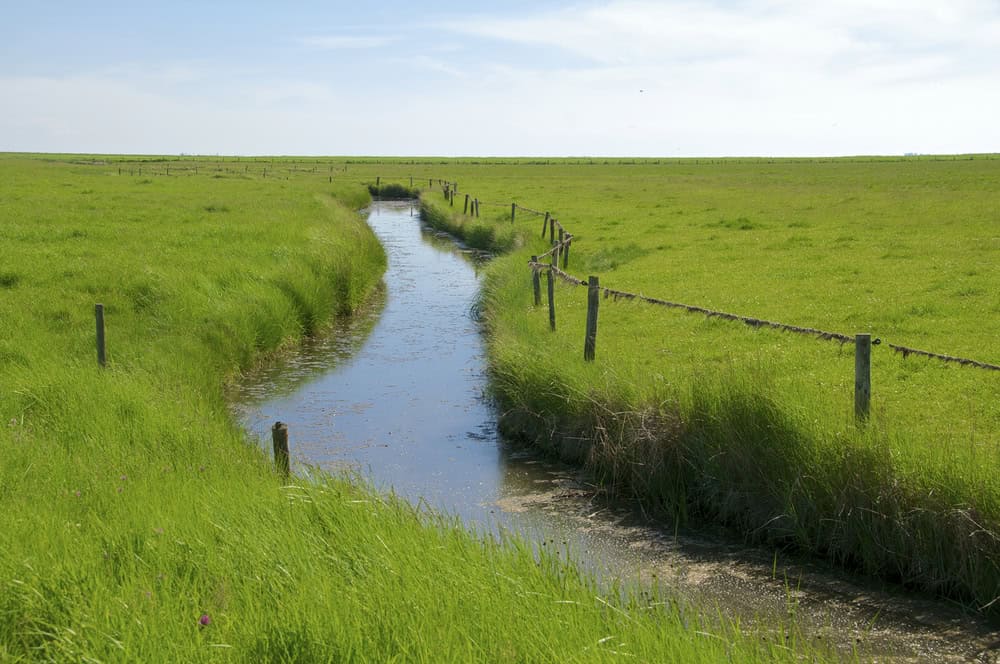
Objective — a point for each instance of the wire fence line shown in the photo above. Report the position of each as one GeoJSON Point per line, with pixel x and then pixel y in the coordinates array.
{"type": "Point", "coordinates": [560, 248]}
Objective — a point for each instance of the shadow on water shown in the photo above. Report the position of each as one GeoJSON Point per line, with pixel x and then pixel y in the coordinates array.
{"type": "Point", "coordinates": [397, 393]}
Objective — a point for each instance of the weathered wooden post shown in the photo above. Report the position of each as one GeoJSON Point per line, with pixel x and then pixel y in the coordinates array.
{"type": "Point", "coordinates": [862, 375]}
{"type": "Point", "coordinates": [378, 181]}
{"type": "Point", "coordinates": [569, 241]}
{"type": "Point", "coordinates": [477, 208]}
{"type": "Point", "coordinates": [536, 282]}
{"type": "Point", "coordinates": [593, 299]}
{"type": "Point", "coordinates": [451, 198]}
{"type": "Point", "coordinates": [552, 295]}
{"type": "Point", "coordinates": [99, 319]}
{"type": "Point", "coordinates": [465, 210]}
{"type": "Point", "coordinates": [552, 230]}
{"type": "Point", "coordinates": [430, 183]}
{"type": "Point", "coordinates": [279, 436]}
{"type": "Point", "coordinates": [513, 207]}
{"type": "Point", "coordinates": [545, 224]}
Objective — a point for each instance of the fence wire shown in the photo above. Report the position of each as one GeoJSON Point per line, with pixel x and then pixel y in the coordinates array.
{"type": "Point", "coordinates": [610, 293]}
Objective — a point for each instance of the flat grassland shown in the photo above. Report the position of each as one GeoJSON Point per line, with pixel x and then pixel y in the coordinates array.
{"type": "Point", "coordinates": [138, 524]}
{"type": "Point", "coordinates": [750, 425]}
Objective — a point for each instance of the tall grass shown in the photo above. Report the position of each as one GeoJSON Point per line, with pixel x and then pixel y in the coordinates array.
{"type": "Point", "coordinates": [755, 427]}
{"type": "Point", "coordinates": [137, 523]}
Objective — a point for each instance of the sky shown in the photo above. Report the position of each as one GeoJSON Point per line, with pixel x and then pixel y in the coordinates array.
{"type": "Point", "coordinates": [517, 78]}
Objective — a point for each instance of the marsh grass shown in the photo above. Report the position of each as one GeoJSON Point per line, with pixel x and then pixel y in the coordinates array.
{"type": "Point", "coordinates": [755, 427]}
{"type": "Point", "coordinates": [138, 524]}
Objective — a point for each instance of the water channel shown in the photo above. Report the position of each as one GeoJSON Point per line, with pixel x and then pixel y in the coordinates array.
{"type": "Point", "coordinates": [398, 394]}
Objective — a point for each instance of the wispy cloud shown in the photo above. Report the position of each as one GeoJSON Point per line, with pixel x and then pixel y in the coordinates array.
{"type": "Point", "coordinates": [770, 34]}
{"type": "Point", "coordinates": [342, 42]}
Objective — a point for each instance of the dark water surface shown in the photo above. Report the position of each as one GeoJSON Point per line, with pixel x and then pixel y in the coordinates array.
{"type": "Point", "coordinates": [397, 394]}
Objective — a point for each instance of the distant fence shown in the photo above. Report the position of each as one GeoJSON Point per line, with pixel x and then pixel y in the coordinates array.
{"type": "Point", "coordinates": [561, 240]}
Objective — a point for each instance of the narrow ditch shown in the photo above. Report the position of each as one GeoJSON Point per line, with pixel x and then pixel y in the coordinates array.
{"type": "Point", "coordinates": [397, 394]}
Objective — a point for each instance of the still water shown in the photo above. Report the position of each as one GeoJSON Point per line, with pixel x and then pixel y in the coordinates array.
{"type": "Point", "coordinates": [398, 394]}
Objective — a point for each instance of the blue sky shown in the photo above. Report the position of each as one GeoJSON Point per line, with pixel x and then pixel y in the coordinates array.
{"type": "Point", "coordinates": [614, 77]}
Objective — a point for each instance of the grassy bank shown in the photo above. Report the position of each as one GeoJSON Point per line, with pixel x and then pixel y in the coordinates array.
{"type": "Point", "coordinates": [755, 427]}
{"type": "Point", "coordinates": [137, 524]}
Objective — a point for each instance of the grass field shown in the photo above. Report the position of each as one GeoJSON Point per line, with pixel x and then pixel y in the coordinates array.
{"type": "Point", "coordinates": [137, 523]}
{"type": "Point", "coordinates": [755, 427]}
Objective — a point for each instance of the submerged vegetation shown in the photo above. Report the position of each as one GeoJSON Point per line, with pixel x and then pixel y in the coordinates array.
{"type": "Point", "coordinates": [138, 524]}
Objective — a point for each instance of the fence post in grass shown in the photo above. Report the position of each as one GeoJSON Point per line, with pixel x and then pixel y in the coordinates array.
{"type": "Point", "coordinates": [465, 209]}
{"type": "Point", "coordinates": [552, 230]}
{"type": "Point", "coordinates": [477, 208]}
{"type": "Point", "coordinates": [545, 224]}
{"type": "Point", "coordinates": [430, 183]}
{"type": "Point", "coordinates": [862, 375]}
{"type": "Point", "coordinates": [552, 295]}
{"type": "Point", "coordinates": [593, 300]}
{"type": "Point", "coordinates": [569, 241]}
{"type": "Point", "coordinates": [536, 282]}
{"type": "Point", "coordinates": [279, 436]}
{"type": "Point", "coordinates": [378, 181]}
{"type": "Point", "coordinates": [451, 198]}
{"type": "Point", "coordinates": [411, 182]}
{"type": "Point", "coordinates": [99, 319]}
{"type": "Point", "coordinates": [513, 207]}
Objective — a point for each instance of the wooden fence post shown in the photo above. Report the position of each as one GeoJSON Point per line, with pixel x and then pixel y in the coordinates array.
{"type": "Point", "coordinates": [593, 300]}
{"type": "Point", "coordinates": [569, 241]}
{"type": "Point", "coordinates": [862, 375]}
{"type": "Point", "coordinates": [411, 182]}
{"type": "Point", "coordinates": [513, 207]}
{"type": "Point", "coordinates": [279, 436]}
{"type": "Point", "coordinates": [545, 224]}
{"type": "Point", "coordinates": [552, 230]}
{"type": "Point", "coordinates": [430, 183]}
{"type": "Point", "coordinates": [536, 282]}
{"type": "Point", "coordinates": [477, 208]}
{"type": "Point", "coordinates": [451, 198]}
{"type": "Point", "coordinates": [552, 295]}
{"type": "Point", "coordinates": [465, 209]}
{"type": "Point", "coordinates": [378, 181]}
{"type": "Point", "coordinates": [99, 319]}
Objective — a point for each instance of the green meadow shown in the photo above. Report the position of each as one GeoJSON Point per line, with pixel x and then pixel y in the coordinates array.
{"type": "Point", "coordinates": [752, 426]}
{"type": "Point", "coordinates": [138, 523]}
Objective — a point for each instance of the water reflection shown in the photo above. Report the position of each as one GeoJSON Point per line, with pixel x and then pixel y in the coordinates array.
{"type": "Point", "coordinates": [396, 394]}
